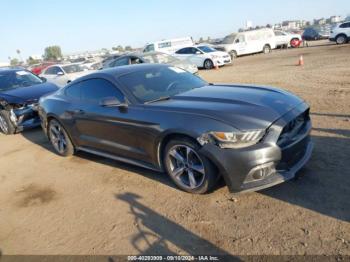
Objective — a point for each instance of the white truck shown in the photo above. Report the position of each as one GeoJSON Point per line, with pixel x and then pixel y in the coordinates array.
{"type": "Point", "coordinates": [168, 46]}
{"type": "Point", "coordinates": [249, 42]}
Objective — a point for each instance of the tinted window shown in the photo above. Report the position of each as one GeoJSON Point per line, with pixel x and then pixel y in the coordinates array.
{"type": "Point", "coordinates": [164, 45]}
{"type": "Point", "coordinates": [149, 48]}
{"type": "Point", "coordinates": [345, 25]}
{"type": "Point", "coordinates": [121, 61]}
{"type": "Point", "coordinates": [73, 91]}
{"type": "Point", "coordinates": [186, 50]}
{"type": "Point", "coordinates": [94, 90]}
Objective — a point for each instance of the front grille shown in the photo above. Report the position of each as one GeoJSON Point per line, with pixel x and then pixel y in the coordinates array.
{"type": "Point", "coordinates": [294, 129]}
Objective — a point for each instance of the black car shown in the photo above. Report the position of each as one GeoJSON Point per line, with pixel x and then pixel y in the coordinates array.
{"type": "Point", "coordinates": [315, 33]}
{"type": "Point", "coordinates": [166, 119]}
{"type": "Point", "coordinates": [20, 91]}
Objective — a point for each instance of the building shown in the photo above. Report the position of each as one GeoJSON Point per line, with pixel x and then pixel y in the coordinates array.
{"type": "Point", "coordinates": [335, 19]}
{"type": "Point", "coordinates": [321, 21]}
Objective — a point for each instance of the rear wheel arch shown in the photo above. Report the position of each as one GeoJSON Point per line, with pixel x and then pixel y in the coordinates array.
{"type": "Point", "coordinates": [52, 117]}
{"type": "Point", "coordinates": [341, 35]}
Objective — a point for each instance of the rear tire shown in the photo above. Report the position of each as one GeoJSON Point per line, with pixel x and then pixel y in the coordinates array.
{"type": "Point", "coordinates": [59, 139]}
{"type": "Point", "coordinates": [341, 39]}
{"type": "Point", "coordinates": [208, 64]}
{"type": "Point", "coordinates": [267, 49]}
{"type": "Point", "coordinates": [6, 125]}
{"type": "Point", "coordinates": [189, 170]}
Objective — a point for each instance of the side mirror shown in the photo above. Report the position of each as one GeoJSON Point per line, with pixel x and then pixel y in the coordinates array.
{"type": "Point", "coordinates": [43, 79]}
{"type": "Point", "coordinates": [112, 102]}
{"type": "Point", "coordinates": [60, 73]}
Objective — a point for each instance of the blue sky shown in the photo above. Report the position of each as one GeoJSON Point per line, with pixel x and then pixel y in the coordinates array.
{"type": "Point", "coordinates": [82, 25]}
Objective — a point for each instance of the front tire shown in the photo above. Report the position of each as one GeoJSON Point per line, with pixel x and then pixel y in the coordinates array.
{"type": "Point", "coordinates": [267, 49]}
{"type": "Point", "coordinates": [189, 170]}
{"type": "Point", "coordinates": [6, 126]}
{"type": "Point", "coordinates": [60, 139]}
{"type": "Point", "coordinates": [233, 55]}
{"type": "Point", "coordinates": [208, 64]}
{"type": "Point", "coordinates": [341, 39]}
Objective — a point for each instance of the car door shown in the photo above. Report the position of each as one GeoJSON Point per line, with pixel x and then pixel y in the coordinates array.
{"type": "Point", "coordinates": [241, 46]}
{"type": "Point", "coordinates": [183, 54]}
{"type": "Point", "coordinates": [107, 129]}
{"type": "Point", "coordinates": [280, 38]}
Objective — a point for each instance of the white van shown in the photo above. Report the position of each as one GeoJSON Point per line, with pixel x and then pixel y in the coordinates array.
{"type": "Point", "coordinates": [169, 46]}
{"type": "Point", "coordinates": [249, 42]}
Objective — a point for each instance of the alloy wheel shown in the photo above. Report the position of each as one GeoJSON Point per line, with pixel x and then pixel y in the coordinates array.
{"type": "Point", "coordinates": [58, 137]}
{"type": "Point", "coordinates": [3, 125]}
{"type": "Point", "coordinates": [185, 166]}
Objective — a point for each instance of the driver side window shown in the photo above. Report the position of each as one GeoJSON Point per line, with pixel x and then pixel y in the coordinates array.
{"type": "Point", "coordinates": [94, 90]}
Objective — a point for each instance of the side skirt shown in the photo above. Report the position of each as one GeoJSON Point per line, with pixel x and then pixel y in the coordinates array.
{"type": "Point", "coordinates": [118, 158]}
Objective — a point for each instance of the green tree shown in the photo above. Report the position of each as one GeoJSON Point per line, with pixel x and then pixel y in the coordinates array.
{"type": "Point", "coordinates": [53, 53]}
{"type": "Point", "coordinates": [14, 62]}
{"type": "Point", "coordinates": [118, 48]}
{"type": "Point", "coordinates": [32, 61]}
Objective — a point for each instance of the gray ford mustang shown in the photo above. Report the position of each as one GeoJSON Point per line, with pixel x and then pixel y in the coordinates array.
{"type": "Point", "coordinates": [163, 118]}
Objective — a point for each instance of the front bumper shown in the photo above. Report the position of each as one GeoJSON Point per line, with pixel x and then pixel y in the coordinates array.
{"type": "Point", "coordinates": [222, 61]}
{"type": "Point", "coordinates": [25, 118]}
{"type": "Point", "coordinates": [237, 165]}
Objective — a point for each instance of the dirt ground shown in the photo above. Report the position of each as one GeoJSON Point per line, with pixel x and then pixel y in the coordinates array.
{"type": "Point", "coordinates": [91, 205]}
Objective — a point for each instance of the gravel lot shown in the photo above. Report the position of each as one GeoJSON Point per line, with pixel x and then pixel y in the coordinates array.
{"type": "Point", "coordinates": [91, 205]}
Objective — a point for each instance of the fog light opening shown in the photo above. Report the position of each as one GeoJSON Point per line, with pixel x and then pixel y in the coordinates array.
{"type": "Point", "coordinates": [261, 172]}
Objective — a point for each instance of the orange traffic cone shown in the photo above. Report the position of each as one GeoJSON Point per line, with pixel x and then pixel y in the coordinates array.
{"type": "Point", "coordinates": [301, 61]}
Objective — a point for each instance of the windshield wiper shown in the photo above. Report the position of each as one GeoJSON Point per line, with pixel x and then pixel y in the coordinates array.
{"type": "Point", "coordinates": [162, 98]}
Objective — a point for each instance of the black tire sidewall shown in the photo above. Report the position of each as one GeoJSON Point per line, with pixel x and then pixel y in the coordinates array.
{"type": "Point", "coordinates": [11, 128]}
{"type": "Point", "coordinates": [211, 175]}
{"type": "Point", "coordinates": [69, 145]}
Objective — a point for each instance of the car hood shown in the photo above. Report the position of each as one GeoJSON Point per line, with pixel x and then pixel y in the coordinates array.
{"type": "Point", "coordinates": [28, 93]}
{"type": "Point", "coordinates": [243, 107]}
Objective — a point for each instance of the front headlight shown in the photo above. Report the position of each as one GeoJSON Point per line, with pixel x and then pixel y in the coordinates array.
{"type": "Point", "coordinates": [233, 139]}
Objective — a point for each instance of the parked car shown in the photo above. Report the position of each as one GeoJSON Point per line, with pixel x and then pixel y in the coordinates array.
{"type": "Point", "coordinates": [166, 119]}
{"type": "Point", "coordinates": [315, 33]}
{"type": "Point", "coordinates": [65, 73]}
{"type": "Point", "coordinates": [153, 58]}
{"type": "Point", "coordinates": [286, 39]}
{"type": "Point", "coordinates": [249, 42]}
{"type": "Point", "coordinates": [20, 91]}
{"type": "Point", "coordinates": [203, 56]}
{"type": "Point", "coordinates": [341, 33]}
{"type": "Point", "coordinates": [40, 67]}
{"type": "Point", "coordinates": [168, 46]}
{"type": "Point", "coordinates": [109, 59]}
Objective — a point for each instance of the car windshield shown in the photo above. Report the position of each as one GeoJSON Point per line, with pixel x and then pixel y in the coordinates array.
{"type": "Point", "coordinates": [69, 69]}
{"type": "Point", "coordinates": [158, 58]}
{"type": "Point", "coordinates": [17, 79]}
{"type": "Point", "coordinates": [229, 39]}
{"type": "Point", "coordinates": [206, 49]}
{"type": "Point", "coordinates": [160, 82]}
